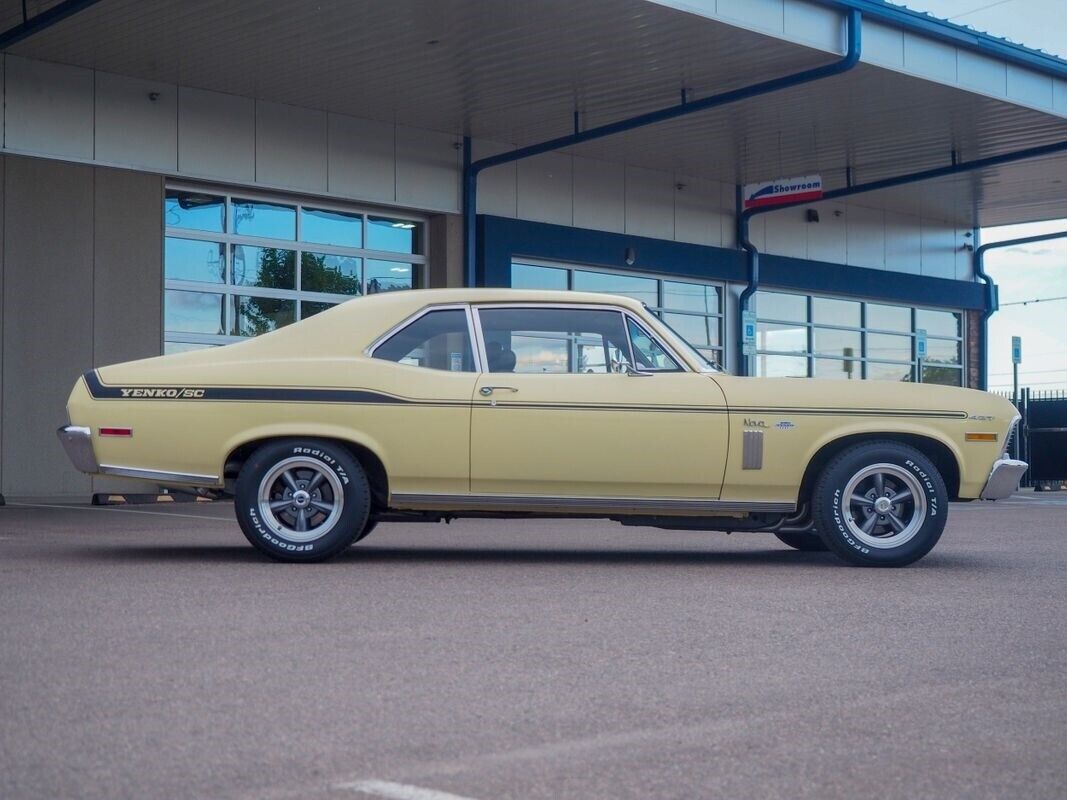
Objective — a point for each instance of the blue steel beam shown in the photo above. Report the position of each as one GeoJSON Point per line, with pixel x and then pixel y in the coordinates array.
{"type": "Point", "coordinates": [992, 303]}
{"type": "Point", "coordinates": [472, 169]}
{"type": "Point", "coordinates": [955, 168]}
{"type": "Point", "coordinates": [43, 21]}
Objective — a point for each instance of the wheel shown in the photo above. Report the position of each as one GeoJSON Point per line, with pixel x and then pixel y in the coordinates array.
{"type": "Point", "coordinates": [880, 504]}
{"type": "Point", "coordinates": [808, 542]}
{"type": "Point", "coordinates": [302, 499]}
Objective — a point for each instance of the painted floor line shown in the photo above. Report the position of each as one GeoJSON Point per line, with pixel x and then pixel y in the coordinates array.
{"type": "Point", "coordinates": [399, 791]}
{"type": "Point", "coordinates": [117, 511]}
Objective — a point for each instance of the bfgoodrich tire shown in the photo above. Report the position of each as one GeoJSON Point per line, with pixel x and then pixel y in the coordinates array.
{"type": "Point", "coordinates": [302, 499]}
{"type": "Point", "coordinates": [880, 504]}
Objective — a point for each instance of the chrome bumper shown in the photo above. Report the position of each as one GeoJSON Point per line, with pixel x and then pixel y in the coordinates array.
{"type": "Point", "coordinates": [1004, 479]}
{"type": "Point", "coordinates": [78, 443]}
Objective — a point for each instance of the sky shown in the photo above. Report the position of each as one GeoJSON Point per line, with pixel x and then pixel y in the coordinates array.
{"type": "Point", "coordinates": [1028, 272]}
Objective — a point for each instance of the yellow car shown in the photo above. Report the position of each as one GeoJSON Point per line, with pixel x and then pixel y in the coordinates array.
{"type": "Point", "coordinates": [492, 402]}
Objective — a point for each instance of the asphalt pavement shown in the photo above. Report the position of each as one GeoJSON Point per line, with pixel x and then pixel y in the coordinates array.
{"type": "Point", "coordinates": [150, 652]}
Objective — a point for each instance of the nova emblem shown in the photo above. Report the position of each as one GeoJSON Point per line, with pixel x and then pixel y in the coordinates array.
{"type": "Point", "coordinates": [755, 423]}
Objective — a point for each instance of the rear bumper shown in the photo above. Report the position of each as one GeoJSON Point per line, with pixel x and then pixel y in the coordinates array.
{"type": "Point", "coordinates": [78, 442]}
{"type": "Point", "coordinates": [1004, 479]}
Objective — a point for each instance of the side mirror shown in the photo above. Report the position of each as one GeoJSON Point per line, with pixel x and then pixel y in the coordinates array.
{"type": "Point", "coordinates": [635, 373]}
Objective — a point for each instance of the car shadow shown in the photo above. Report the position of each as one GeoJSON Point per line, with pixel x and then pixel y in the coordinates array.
{"type": "Point", "coordinates": [369, 555]}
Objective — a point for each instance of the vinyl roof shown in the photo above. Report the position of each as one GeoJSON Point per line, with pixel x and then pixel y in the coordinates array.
{"type": "Point", "coordinates": [515, 73]}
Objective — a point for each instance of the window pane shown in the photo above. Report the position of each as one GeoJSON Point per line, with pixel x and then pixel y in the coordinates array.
{"type": "Point", "coordinates": [193, 312]}
{"type": "Point", "coordinates": [937, 323]}
{"type": "Point", "coordinates": [331, 227]}
{"type": "Point", "coordinates": [528, 276]}
{"type": "Point", "coordinates": [827, 311]}
{"type": "Point", "coordinates": [394, 235]}
{"type": "Point", "coordinates": [889, 318]}
{"type": "Point", "coordinates": [170, 348]}
{"type": "Point", "coordinates": [437, 340]}
{"type": "Point", "coordinates": [258, 315]}
{"type": "Point", "coordinates": [784, 338]}
{"type": "Point", "coordinates": [649, 355]}
{"type": "Point", "coordinates": [190, 260]}
{"type": "Point", "coordinates": [194, 210]}
{"type": "Point", "coordinates": [389, 276]}
{"type": "Point", "coordinates": [321, 272]}
{"type": "Point", "coordinates": [781, 366]}
{"type": "Point", "coordinates": [254, 218]}
{"type": "Point", "coordinates": [690, 297]}
{"type": "Point", "coordinates": [643, 289]}
{"type": "Point", "coordinates": [939, 351]}
{"type": "Point", "coordinates": [946, 376]}
{"type": "Point", "coordinates": [888, 346]}
{"type": "Point", "coordinates": [698, 331]}
{"type": "Point", "coordinates": [309, 309]}
{"type": "Point", "coordinates": [268, 267]}
{"type": "Point", "coordinates": [830, 342]}
{"type": "Point", "coordinates": [889, 372]}
{"type": "Point", "coordinates": [789, 307]}
{"type": "Point", "coordinates": [553, 340]}
{"type": "Point", "coordinates": [844, 369]}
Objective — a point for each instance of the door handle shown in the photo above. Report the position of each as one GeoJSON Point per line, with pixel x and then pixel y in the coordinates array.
{"type": "Point", "coordinates": [488, 390]}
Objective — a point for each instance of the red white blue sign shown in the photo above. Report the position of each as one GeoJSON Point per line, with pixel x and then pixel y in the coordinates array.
{"type": "Point", "coordinates": [783, 190]}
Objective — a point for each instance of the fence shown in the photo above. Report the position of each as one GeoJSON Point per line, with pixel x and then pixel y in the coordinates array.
{"type": "Point", "coordinates": [1041, 439]}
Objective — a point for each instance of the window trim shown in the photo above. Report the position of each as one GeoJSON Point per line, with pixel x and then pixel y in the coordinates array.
{"type": "Point", "coordinates": [626, 313]}
{"type": "Point", "coordinates": [411, 319]}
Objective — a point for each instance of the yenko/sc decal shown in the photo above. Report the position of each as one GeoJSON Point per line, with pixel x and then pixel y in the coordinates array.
{"type": "Point", "coordinates": [164, 394]}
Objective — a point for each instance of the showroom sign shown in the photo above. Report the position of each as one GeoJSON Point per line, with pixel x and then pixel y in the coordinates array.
{"type": "Point", "coordinates": [783, 190]}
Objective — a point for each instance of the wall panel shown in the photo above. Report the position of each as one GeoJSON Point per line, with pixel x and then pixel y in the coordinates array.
{"type": "Point", "coordinates": [49, 108]}
{"type": "Point", "coordinates": [47, 319]}
{"type": "Point", "coordinates": [216, 135]}
{"type": "Point", "coordinates": [599, 195]}
{"type": "Point", "coordinates": [649, 203]}
{"type": "Point", "coordinates": [546, 189]}
{"type": "Point", "coordinates": [361, 158]}
{"type": "Point", "coordinates": [497, 186]}
{"type": "Point", "coordinates": [427, 169]}
{"type": "Point", "coordinates": [132, 128]}
{"type": "Point", "coordinates": [290, 147]}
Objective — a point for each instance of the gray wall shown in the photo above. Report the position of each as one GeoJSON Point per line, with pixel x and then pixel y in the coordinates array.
{"type": "Point", "coordinates": [80, 287]}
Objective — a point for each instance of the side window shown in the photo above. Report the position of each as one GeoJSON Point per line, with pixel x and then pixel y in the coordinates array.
{"type": "Point", "coordinates": [650, 356]}
{"type": "Point", "coordinates": [436, 340]}
{"type": "Point", "coordinates": [554, 340]}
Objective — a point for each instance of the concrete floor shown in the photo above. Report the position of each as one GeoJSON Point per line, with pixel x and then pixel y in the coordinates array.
{"type": "Point", "coordinates": [150, 652]}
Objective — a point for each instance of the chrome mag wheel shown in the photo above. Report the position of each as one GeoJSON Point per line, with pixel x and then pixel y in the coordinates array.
{"type": "Point", "coordinates": [885, 506]}
{"type": "Point", "coordinates": [300, 499]}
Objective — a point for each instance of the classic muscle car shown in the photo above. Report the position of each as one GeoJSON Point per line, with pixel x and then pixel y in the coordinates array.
{"type": "Point", "coordinates": [436, 404]}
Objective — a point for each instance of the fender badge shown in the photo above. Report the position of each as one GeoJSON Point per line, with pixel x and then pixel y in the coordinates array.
{"type": "Point", "coordinates": [784, 425]}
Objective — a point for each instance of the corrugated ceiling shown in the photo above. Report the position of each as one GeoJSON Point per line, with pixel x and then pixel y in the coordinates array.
{"type": "Point", "coordinates": [515, 73]}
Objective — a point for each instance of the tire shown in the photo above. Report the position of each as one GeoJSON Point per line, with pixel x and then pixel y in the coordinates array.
{"type": "Point", "coordinates": [302, 499]}
{"type": "Point", "coordinates": [808, 542]}
{"type": "Point", "coordinates": [880, 504]}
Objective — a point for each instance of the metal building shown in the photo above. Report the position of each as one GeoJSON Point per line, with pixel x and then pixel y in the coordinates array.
{"type": "Point", "coordinates": [183, 174]}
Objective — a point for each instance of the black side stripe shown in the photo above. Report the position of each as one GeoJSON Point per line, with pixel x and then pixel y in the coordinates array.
{"type": "Point", "coordinates": [101, 391]}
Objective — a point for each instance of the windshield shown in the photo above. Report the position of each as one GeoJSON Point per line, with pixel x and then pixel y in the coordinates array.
{"type": "Point", "coordinates": [706, 365]}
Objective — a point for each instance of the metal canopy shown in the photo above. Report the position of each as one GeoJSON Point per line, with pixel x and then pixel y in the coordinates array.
{"type": "Point", "coordinates": [516, 72]}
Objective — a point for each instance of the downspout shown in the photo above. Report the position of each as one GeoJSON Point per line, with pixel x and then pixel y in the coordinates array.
{"type": "Point", "coordinates": [43, 21]}
{"type": "Point", "coordinates": [471, 170]}
{"type": "Point", "coordinates": [954, 168]}
{"type": "Point", "coordinates": [992, 303]}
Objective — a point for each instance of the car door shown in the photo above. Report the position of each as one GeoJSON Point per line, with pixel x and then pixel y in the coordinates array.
{"type": "Point", "coordinates": [562, 412]}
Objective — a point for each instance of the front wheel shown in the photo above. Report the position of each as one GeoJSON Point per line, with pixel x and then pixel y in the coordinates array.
{"type": "Point", "coordinates": [880, 504]}
{"type": "Point", "coordinates": [302, 499]}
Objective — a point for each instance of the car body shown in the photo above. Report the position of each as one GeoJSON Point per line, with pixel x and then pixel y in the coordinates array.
{"type": "Point", "coordinates": [453, 402]}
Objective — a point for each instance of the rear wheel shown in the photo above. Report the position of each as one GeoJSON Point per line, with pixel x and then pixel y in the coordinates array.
{"type": "Point", "coordinates": [880, 504]}
{"type": "Point", "coordinates": [302, 499]}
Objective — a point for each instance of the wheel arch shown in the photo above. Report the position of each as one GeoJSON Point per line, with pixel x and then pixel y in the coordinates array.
{"type": "Point", "coordinates": [368, 458]}
{"type": "Point", "coordinates": [936, 450]}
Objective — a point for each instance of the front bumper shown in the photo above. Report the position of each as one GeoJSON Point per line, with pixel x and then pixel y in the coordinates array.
{"type": "Point", "coordinates": [78, 442]}
{"type": "Point", "coordinates": [1004, 479]}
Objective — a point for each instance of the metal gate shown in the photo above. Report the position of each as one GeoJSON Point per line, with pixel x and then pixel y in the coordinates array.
{"type": "Point", "coordinates": [1042, 437]}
